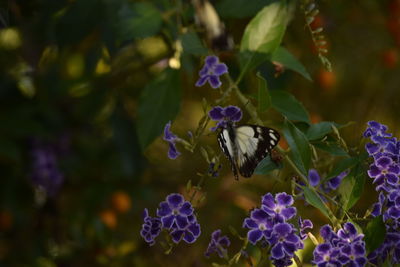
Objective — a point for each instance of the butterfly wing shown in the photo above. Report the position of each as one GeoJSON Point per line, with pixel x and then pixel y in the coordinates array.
{"type": "Point", "coordinates": [253, 143]}
{"type": "Point", "coordinates": [228, 147]}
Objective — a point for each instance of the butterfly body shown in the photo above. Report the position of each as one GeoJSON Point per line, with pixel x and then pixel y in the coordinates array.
{"type": "Point", "coordinates": [246, 145]}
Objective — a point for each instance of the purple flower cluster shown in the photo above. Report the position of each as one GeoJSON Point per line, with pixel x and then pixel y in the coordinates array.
{"type": "Point", "coordinates": [218, 244]}
{"type": "Point", "coordinates": [344, 248]}
{"type": "Point", "coordinates": [45, 172]}
{"type": "Point", "coordinates": [224, 116]}
{"type": "Point", "coordinates": [385, 150]}
{"type": "Point", "coordinates": [270, 223]}
{"type": "Point", "coordinates": [324, 185]}
{"type": "Point", "coordinates": [211, 71]}
{"type": "Point", "coordinates": [171, 138]}
{"type": "Point", "coordinates": [385, 172]}
{"type": "Point", "coordinates": [174, 215]}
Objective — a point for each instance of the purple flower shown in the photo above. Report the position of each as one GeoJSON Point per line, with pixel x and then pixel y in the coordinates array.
{"type": "Point", "coordinates": [377, 207]}
{"type": "Point", "coordinates": [270, 224]}
{"type": "Point", "coordinates": [175, 212]}
{"type": "Point", "coordinates": [151, 228]}
{"type": "Point", "coordinates": [224, 116]}
{"type": "Point", "coordinates": [326, 255]}
{"type": "Point", "coordinates": [304, 224]}
{"type": "Point", "coordinates": [211, 71]}
{"type": "Point", "coordinates": [213, 169]}
{"type": "Point", "coordinates": [385, 173]}
{"type": "Point", "coordinates": [260, 225]}
{"type": "Point", "coordinates": [284, 241]}
{"type": "Point", "coordinates": [313, 177]}
{"type": "Point", "coordinates": [189, 233]}
{"type": "Point", "coordinates": [389, 250]}
{"type": "Point", "coordinates": [218, 244]}
{"type": "Point", "coordinates": [377, 132]}
{"type": "Point", "coordinates": [353, 254]}
{"type": "Point", "coordinates": [326, 186]}
{"type": "Point", "coordinates": [171, 138]}
{"type": "Point", "coordinates": [45, 172]}
{"type": "Point", "coordinates": [174, 215]}
{"type": "Point", "coordinates": [345, 247]}
{"type": "Point", "coordinates": [349, 233]}
{"type": "Point", "coordinates": [280, 208]}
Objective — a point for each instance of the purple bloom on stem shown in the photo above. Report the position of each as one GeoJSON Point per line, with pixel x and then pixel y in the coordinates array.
{"type": "Point", "coordinates": [151, 228]}
{"type": "Point", "coordinates": [313, 177]}
{"type": "Point", "coordinates": [45, 172]}
{"type": "Point", "coordinates": [171, 138]}
{"type": "Point", "coordinates": [279, 208]}
{"type": "Point", "coordinates": [224, 115]}
{"type": "Point", "coordinates": [189, 233]}
{"type": "Point", "coordinates": [334, 182]}
{"type": "Point", "coordinates": [175, 212]}
{"type": "Point", "coordinates": [260, 226]}
{"type": "Point", "coordinates": [304, 224]}
{"type": "Point", "coordinates": [284, 241]}
{"type": "Point", "coordinates": [344, 248]}
{"type": "Point", "coordinates": [218, 244]}
{"type": "Point", "coordinates": [326, 255]}
{"type": "Point", "coordinates": [211, 71]}
{"type": "Point", "coordinates": [349, 233]}
{"type": "Point", "coordinates": [377, 207]}
{"type": "Point", "coordinates": [385, 173]}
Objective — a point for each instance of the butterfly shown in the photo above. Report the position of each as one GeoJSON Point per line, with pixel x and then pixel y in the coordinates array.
{"type": "Point", "coordinates": [246, 145]}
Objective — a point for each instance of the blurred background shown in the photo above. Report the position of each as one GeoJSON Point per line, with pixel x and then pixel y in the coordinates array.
{"type": "Point", "coordinates": [84, 99]}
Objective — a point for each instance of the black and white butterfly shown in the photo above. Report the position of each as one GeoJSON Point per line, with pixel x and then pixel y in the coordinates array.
{"type": "Point", "coordinates": [246, 145]}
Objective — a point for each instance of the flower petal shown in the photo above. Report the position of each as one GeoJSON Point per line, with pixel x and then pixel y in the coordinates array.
{"type": "Point", "coordinates": [284, 199]}
{"type": "Point", "coordinates": [313, 177]}
{"type": "Point", "coordinates": [214, 81]}
{"type": "Point", "coordinates": [186, 209]}
{"type": "Point", "coordinates": [277, 251]}
{"type": "Point", "coordinates": [202, 80]}
{"type": "Point", "coordinates": [254, 236]}
{"type": "Point", "coordinates": [216, 113]}
{"type": "Point", "coordinates": [220, 69]}
{"type": "Point", "coordinates": [211, 60]}
{"type": "Point", "coordinates": [175, 200]}
{"type": "Point", "coordinates": [163, 209]}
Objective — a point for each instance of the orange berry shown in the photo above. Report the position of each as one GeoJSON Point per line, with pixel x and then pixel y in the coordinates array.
{"type": "Point", "coordinates": [283, 143]}
{"type": "Point", "coordinates": [6, 220]}
{"type": "Point", "coordinates": [315, 118]}
{"type": "Point", "coordinates": [390, 58]}
{"type": "Point", "coordinates": [109, 218]}
{"type": "Point", "coordinates": [326, 79]}
{"type": "Point", "coordinates": [121, 202]}
{"type": "Point", "coordinates": [318, 22]}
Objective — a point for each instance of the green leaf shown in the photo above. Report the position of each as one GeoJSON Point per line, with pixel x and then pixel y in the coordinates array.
{"type": "Point", "coordinates": [239, 8]}
{"type": "Point", "coordinates": [313, 199]}
{"type": "Point", "coordinates": [284, 57]}
{"type": "Point", "coordinates": [375, 233]}
{"type": "Point", "coordinates": [299, 147]}
{"type": "Point", "coordinates": [138, 20]}
{"type": "Point", "coordinates": [319, 130]}
{"type": "Point", "coordinates": [125, 138]}
{"type": "Point", "coordinates": [264, 34]}
{"type": "Point", "coordinates": [352, 186]}
{"type": "Point", "coordinates": [343, 165]}
{"type": "Point", "coordinates": [192, 45]}
{"type": "Point", "coordinates": [159, 103]}
{"type": "Point", "coordinates": [267, 165]}
{"type": "Point", "coordinates": [264, 98]}
{"type": "Point", "coordinates": [332, 148]}
{"type": "Point", "coordinates": [289, 106]}
{"type": "Point", "coordinates": [265, 31]}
